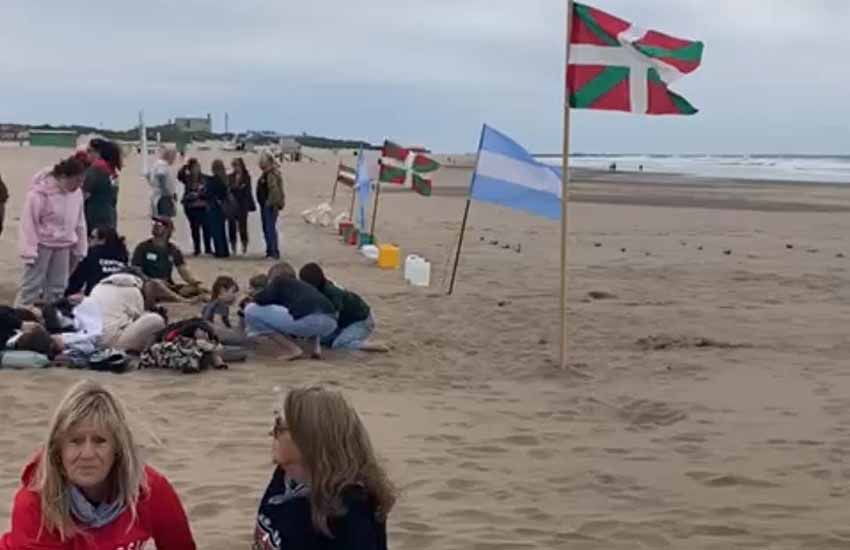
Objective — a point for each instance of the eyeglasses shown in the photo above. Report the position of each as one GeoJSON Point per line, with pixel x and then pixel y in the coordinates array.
{"type": "Point", "coordinates": [279, 426]}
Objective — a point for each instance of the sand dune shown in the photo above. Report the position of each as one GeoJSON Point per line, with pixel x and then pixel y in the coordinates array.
{"type": "Point", "coordinates": [706, 407]}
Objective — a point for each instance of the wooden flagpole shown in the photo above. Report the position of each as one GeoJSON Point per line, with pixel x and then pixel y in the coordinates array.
{"type": "Point", "coordinates": [465, 216]}
{"type": "Point", "coordinates": [565, 179]}
{"type": "Point", "coordinates": [336, 184]}
{"type": "Point", "coordinates": [375, 208]}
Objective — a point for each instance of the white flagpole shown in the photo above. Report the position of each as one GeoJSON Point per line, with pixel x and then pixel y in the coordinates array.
{"type": "Point", "coordinates": [565, 175]}
{"type": "Point", "coordinates": [143, 142]}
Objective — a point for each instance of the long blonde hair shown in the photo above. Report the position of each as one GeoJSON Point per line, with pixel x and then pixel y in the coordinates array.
{"type": "Point", "coordinates": [87, 401]}
{"type": "Point", "coordinates": [337, 453]}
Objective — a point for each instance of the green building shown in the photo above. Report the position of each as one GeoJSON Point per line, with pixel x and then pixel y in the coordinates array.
{"type": "Point", "coordinates": [53, 138]}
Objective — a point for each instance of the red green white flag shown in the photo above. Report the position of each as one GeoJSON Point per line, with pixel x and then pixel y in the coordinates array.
{"type": "Point", "coordinates": [617, 66]}
{"type": "Point", "coordinates": [405, 167]}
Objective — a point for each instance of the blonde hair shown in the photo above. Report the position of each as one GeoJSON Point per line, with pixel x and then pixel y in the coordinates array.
{"type": "Point", "coordinates": [268, 159]}
{"type": "Point", "coordinates": [337, 454]}
{"type": "Point", "coordinates": [87, 401]}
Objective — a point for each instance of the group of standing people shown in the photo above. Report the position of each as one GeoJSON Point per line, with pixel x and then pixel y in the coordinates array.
{"type": "Point", "coordinates": [217, 205]}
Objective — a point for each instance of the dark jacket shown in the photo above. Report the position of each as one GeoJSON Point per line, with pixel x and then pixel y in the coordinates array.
{"type": "Point", "coordinates": [351, 307]}
{"type": "Point", "coordinates": [4, 192]}
{"type": "Point", "coordinates": [215, 190]}
{"type": "Point", "coordinates": [194, 193]}
{"type": "Point", "coordinates": [298, 297]}
{"type": "Point", "coordinates": [100, 198]}
{"type": "Point", "coordinates": [285, 524]}
{"type": "Point", "coordinates": [98, 264]}
{"type": "Point", "coordinates": [10, 323]}
{"type": "Point", "coordinates": [241, 191]}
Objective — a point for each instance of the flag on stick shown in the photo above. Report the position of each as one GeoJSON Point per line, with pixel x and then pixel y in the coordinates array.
{"type": "Point", "coordinates": [616, 66]}
{"type": "Point", "coordinates": [506, 174]}
{"type": "Point", "coordinates": [346, 175]}
{"type": "Point", "coordinates": [405, 167]}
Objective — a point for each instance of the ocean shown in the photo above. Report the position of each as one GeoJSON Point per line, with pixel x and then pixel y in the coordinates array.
{"type": "Point", "coordinates": [799, 168]}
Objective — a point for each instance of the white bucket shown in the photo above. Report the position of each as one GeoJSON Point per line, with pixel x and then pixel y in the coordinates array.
{"type": "Point", "coordinates": [417, 271]}
{"type": "Point", "coordinates": [370, 251]}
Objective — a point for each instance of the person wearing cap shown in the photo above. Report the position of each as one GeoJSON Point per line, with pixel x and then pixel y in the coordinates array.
{"type": "Point", "coordinates": [157, 258]}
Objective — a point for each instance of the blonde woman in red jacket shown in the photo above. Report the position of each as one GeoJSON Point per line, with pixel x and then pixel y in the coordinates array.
{"type": "Point", "coordinates": [88, 489]}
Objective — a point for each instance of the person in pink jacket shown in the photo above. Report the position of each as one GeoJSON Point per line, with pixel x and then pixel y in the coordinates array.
{"type": "Point", "coordinates": [52, 234]}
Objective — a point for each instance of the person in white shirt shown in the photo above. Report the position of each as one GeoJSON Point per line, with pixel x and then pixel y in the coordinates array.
{"type": "Point", "coordinates": [163, 184]}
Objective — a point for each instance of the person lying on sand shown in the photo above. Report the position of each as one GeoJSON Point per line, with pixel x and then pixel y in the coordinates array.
{"type": "Point", "coordinates": [89, 486]}
{"type": "Point", "coordinates": [157, 258]}
{"type": "Point", "coordinates": [328, 489]}
{"type": "Point", "coordinates": [355, 324]}
{"type": "Point", "coordinates": [290, 307]}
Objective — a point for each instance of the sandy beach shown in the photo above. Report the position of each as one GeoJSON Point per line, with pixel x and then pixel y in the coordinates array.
{"type": "Point", "coordinates": [707, 405]}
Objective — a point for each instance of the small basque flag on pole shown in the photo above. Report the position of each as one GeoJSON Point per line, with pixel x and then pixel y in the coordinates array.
{"type": "Point", "coordinates": [506, 174]}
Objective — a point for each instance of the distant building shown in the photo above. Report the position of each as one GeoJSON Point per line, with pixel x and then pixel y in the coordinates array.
{"type": "Point", "coordinates": [53, 138]}
{"type": "Point", "coordinates": [192, 124]}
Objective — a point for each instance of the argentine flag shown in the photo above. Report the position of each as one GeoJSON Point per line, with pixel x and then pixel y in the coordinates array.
{"type": "Point", "coordinates": [506, 174]}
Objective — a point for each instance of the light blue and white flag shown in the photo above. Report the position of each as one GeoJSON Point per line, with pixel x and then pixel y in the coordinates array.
{"type": "Point", "coordinates": [363, 185]}
{"type": "Point", "coordinates": [506, 174]}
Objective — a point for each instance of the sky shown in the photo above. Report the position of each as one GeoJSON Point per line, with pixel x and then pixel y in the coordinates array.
{"type": "Point", "coordinates": [775, 76]}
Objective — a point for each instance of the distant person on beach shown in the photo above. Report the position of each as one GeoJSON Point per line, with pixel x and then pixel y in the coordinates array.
{"type": "Point", "coordinates": [107, 255]}
{"type": "Point", "coordinates": [195, 205]}
{"type": "Point", "coordinates": [52, 235]}
{"type": "Point", "coordinates": [4, 198]}
{"type": "Point", "coordinates": [100, 184]}
{"type": "Point", "coordinates": [89, 487]}
{"type": "Point", "coordinates": [291, 308]}
{"type": "Point", "coordinates": [243, 202]}
{"type": "Point", "coordinates": [328, 489]}
{"type": "Point", "coordinates": [217, 192]}
{"type": "Point", "coordinates": [163, 185]}
{"type": "Point", "coordinates": [157, 258]}
{"type": "Point", "coordinates": [272, 199]}
{"type": "Point", "coordinates": [355, 324]}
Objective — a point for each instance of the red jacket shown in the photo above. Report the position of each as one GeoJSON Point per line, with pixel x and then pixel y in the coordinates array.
{"type": "Point", "coordinates": [160, 517]}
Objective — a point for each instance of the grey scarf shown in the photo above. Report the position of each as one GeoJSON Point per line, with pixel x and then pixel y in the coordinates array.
{"type": "Point", "coordinates": [91, 515]}
{"type": "Point", "coordinates": [292, 490]}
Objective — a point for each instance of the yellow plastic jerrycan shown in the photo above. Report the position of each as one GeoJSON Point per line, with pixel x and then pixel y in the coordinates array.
{"type": "Point", "coordinates": [388, 256]}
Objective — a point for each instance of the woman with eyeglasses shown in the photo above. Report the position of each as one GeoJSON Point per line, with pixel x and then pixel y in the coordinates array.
{"type": "Point", "coordinates": [328, 490]}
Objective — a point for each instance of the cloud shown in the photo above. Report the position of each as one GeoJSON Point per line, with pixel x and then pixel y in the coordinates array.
{"type": "Point", "coordinates": [432, 72]}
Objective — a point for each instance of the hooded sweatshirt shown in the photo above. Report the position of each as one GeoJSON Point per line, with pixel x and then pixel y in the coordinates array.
{"type": "Point", "coordinates": [52, 218]}
{"type": "Point", "coordinates": [119, 298]}
{"type": "Point", "coordinates": [160, 516]}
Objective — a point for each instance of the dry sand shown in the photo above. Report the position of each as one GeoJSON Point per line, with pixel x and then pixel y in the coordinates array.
{"type": "Point", "coordinates": [707, 405]}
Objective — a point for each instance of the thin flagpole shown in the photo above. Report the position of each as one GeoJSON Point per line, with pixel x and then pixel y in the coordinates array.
{"type": "Point", "coordinates": [465, 216]}
{"type": "Point", "coordinates": [353, 200]}
{"type": "Point", "coordinates": [565, 175]}
{"type": "Point", "coordinates": [375, 209]}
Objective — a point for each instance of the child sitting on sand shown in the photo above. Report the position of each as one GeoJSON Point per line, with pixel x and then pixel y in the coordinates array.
{"type": "Point", "coordinates": [224, 292]}
{"type": "Point", "coordinates": [328, 489]}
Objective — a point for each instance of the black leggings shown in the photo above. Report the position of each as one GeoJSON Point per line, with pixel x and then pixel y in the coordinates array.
{"type": "Point", "coordinates": [200, 226]}
{"type": "Point", "coordinates": [240, 222]}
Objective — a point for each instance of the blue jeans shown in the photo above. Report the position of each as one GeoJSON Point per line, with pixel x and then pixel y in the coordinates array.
{"type": "Point", "coordinates": [269, 215]}
{"type": "Point", "coordinates": [273, 319]}
{"type": "Point", "coordinates": [354, 335]}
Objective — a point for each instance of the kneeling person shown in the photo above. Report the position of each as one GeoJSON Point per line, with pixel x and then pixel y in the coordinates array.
{"type": "Point", "coordinates": [291, 307]}
{"type": "Point", "coordinates": [355, 324]}
{"type": "Point", "coordinates": [157, 258]}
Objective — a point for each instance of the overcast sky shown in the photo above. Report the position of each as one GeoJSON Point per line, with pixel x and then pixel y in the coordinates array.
{"type": "Point", "coordinates": [775, 75]}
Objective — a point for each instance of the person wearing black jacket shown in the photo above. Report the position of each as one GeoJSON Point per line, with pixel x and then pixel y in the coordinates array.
{"type": "Point", "coordinates": [291, 307]}
{"type": "Point", "coordinates": [328, 492]}
{"type": "Point", "coordinates": [242, 204]}
{"type": "Point", "coordinates": [107, 255]}
{"type": "Point", "coordinates": [195, 205]}
{"type": "Point", "coordinates": [216, 192]}
{"type": "Point", "coordinates": [4, 198]}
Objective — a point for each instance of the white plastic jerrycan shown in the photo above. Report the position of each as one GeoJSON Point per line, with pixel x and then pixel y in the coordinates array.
{"type": "Point", "coordinates": [417, 271]}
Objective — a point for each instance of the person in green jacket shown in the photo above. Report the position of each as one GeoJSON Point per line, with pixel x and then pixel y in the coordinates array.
{"type": "Point", "coordinates": [355, 324]}
{"type": "Point", "coordinates": [272, 199]}
{"type": "Point", "coordinates": [99, 185]}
